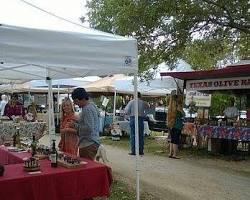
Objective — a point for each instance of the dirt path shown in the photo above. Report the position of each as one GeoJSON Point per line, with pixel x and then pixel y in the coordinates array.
{"type": "Point", "coordinates": [184, 179]}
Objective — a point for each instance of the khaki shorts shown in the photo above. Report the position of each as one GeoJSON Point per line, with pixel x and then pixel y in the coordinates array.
{"type": "Point", "coordinates": [88, 152]}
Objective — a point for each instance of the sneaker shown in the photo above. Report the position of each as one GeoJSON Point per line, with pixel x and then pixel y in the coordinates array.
{"type": "Point", "coordinates": [131, 154]}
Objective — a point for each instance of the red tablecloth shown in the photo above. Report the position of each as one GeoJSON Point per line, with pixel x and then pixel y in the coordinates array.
{"type": "Point", "coordinates": [7, 157]}
{"type": "Point", "coordinates": [91, 180]}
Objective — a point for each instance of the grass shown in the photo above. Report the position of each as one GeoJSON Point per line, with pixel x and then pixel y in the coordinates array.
{"type": "Point", "coordinates": [160, 147]}
{"type": "Point", "coordinates": [122, 191]}
{"type": "Point", "coordinates": [150, 146]}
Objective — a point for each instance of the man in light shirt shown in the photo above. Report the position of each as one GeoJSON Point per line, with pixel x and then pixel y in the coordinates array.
{"type": "Point", "coordinates": [231, 112]}
{"type": "Point", "coordinates": [3, 103]}
{"type": "Point", "coordinates": [130, 111]}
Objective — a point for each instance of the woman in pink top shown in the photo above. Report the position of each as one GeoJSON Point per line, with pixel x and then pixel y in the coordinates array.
{"type": "Point", "coordinates": [14, 108]}
{"type": "Point", "coordinates": [69, 138]}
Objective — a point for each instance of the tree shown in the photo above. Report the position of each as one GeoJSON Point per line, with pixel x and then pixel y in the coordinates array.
{"type": "Point", "coordinates": [201, 31]}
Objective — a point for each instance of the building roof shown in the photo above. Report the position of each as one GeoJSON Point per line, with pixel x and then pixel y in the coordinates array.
{"type": "Point", "coordinates": [235, 70]}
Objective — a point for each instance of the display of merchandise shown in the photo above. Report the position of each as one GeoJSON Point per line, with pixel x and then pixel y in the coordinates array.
{"type": "Point", "coordinates": [31, 164]}
{"type": "Point", "coordinates": [116, 132]}
{"type": "Point", "coordinates": [42, 152]}
{"type": "Point", "coordinates": [69, 161]}
{"type": "Point", "coordinates": [42, 149]}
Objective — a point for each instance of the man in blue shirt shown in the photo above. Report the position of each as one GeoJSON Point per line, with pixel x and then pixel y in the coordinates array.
{"type": "Point", "coordinates": [130, 111]}
{"type": "Point", "coordinates": [87, 125]}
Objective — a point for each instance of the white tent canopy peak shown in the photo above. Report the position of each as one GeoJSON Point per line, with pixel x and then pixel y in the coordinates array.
{"type": "Point", "coordinates": [65, 54]}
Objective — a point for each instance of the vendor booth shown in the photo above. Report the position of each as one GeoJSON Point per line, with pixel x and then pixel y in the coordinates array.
{"type": "Point", "coordinates": [91, 180]}
{"type": "Point", "coordinates": [33, 54]}
{"type": "Point", "coordinates": [223, 135]}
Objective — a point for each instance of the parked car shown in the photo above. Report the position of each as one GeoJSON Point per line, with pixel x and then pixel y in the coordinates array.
{"type": "Point", "coordinates": [243, 114]}
{"type": "Point", "coordinates": [158, 120]}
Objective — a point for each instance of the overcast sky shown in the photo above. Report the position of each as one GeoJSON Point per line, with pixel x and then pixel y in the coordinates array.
{"type": "Point", "coordinates": [16, 12]}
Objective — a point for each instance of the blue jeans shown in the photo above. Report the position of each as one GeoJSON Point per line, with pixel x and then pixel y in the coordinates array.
{"type": "Point", "coordinates": [132, 134]}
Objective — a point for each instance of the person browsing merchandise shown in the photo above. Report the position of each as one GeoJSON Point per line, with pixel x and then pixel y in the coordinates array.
{"type": "Point", "coordinates": [88, 124]}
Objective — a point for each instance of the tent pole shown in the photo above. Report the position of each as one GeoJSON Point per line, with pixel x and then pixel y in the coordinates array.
{"type": "Point", "coordinates": [12, 88]}
{"type": "Point", "coordinates": [137, 166]}
{"type": "Point", "coordinates": [58, 111]}
{"type": "Point", "coordinates": [114, 109]}
{"type": "Point", "coordinates": [29, 98]}
{"type": "Point", "coordinates": [51, 125]}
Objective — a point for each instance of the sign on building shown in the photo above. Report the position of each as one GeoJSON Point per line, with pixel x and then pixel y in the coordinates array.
{"type": "Point", "coordinates": [200, 99]}
{"type": "Point", "coordinates": [219, 84]}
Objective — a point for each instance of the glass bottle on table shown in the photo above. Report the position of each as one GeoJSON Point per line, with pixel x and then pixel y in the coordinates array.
{"type": "Point", "coordinates": [33, 146]}
{"type": "Point", "coordinates": [18, 140]}
{"type": "Point", "coordinates": [14, 139]}
{"type": "Point", "coordinates": [53, 155]}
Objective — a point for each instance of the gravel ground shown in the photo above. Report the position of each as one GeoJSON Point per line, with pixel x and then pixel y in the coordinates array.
{"type": "Point", "coordinates": [184, 179]}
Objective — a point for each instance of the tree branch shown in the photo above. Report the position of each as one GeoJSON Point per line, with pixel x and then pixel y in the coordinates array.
{"type": "Point", "coordinates": [231, 23]}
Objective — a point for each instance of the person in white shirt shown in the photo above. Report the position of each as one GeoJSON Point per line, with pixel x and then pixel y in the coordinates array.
{"type": "Point", "coordinates": [231, 112]}
{"type": "Point", "coordinates": [3, 102]}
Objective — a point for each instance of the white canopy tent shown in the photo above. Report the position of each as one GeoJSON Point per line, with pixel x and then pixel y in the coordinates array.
{"type": "Point", "coordinates": [62, 83]}
{"type": "Point", "coordinates": [105, 84]}
{"type": "Point", "coordinates": [42, 53]}
{"type": "Point", "coordinates": [28, 54]}
{"type": "Point", "coordinates": [67, 51]}
{"type": "Point", "coordinates": [156, 87]}
{"type": "Point", "coordinates": [122, 84]}
{"type": "Point", "coordinates": [63, 86]}
{"type": "Point", "coordinates": [27, 88]}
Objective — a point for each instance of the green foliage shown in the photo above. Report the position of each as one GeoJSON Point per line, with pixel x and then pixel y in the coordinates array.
{"type": "Point", "coordinates": [192, 108]}
{"type": "Point", "coordinates": [243, 46]}
{"type": "Point", "coordinates": [219, 103]}
{"type": "Point", "coordinates": [205, 54]}
{"type": "Point", "coordinates": [98, 102]}
{"type": "Point", "coordinates": [118, 102]}
{"type": "Point", "coordinates": [201, 31]}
